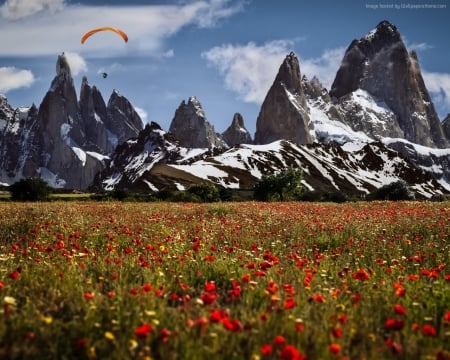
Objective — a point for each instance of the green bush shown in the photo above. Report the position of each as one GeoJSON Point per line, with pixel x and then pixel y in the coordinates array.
{"type": "Point", "coordinates": [206, 192]}
{"type": "Point", "coordinates": [30, 190]}
{"type": "Point", "coordinates": [395, 191]}
{"type": "Point", "coordinates": [284, 185]}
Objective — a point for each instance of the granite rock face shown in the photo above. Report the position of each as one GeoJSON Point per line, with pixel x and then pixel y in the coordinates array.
{"type": "Point", "coordinates": [380, 64]}
{"type": "Point", "coordinates": [236, 133]}
{"type": "Point", "coordinates": [191, 128]}
{"type": "Point", "coordinates": [66, 142]}
{"type": "Point", "coordinates": [284, 112]}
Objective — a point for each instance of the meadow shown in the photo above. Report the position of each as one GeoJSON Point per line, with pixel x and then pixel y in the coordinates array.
{"type": "Point", "coordinates": [251, 280]}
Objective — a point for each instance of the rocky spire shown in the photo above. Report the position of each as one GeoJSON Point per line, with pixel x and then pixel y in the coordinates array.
{"type": "Point", "coordinates": [446, 127]}
{"type": "Point", "coordinates": [191, 128]}
{"type": "Point", "coordinates": [236, 133]}
{"type": "Point", "coordinates": [284, 112]}
{"type": "Point", "coordinates": [380, 64]}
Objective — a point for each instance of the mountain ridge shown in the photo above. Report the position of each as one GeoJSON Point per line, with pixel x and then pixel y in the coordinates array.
{"type": "Point", "coordinates": [349, 139]}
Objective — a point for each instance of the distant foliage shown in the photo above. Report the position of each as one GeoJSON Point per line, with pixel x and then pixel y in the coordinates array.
{"type": "Point", "coordinates": [206, 192]}
{"type": "Point", "coordinates": [285, 185]}
{"type": "Point", "coordinates": [30, 190]}
{"type": "Point", "coordinates": [395, 191]}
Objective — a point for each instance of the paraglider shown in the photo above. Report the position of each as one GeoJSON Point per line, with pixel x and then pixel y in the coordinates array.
{"type": "Point", "coordinates": [105, 75]}
{"type": "Point", "coordinates": [104, 28]}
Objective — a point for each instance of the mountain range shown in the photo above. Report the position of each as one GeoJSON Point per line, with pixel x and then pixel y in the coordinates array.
{"type": "Point", "coordinates": [376, 125]}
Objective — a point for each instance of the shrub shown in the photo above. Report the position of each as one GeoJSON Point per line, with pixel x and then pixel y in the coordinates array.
{"type": "Point", "coordinates": [206, 192]}
{"type": "Point", "coordinates": [281, 186]}
{"type": "Point", "coordinates": [30, 190]}
{"type": "Point", "coordinates": [398, 190]}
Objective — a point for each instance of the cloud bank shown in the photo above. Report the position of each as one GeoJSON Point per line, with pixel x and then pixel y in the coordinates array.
{"type": "Point", "coordinates": [147, 26]}
{"type": "Point", "coordinates": [12, 78]}
{"type": "Point", "coordinates": [249, 70]}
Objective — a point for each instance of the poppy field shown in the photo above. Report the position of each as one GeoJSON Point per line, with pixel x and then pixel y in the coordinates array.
{"type": "Point", "coordinates": [123, 280]}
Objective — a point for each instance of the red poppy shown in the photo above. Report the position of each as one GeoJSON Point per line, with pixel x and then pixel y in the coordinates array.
{"type": "Point", "coordinates": [399, 309]}
{"type": "Point", "coordinates": [335, 348]}
{"type": "Point", "coordinates": [447, 316]}
{"type": "Point", "coordinates": [88, 295]}
{"type": "Point", "coordinates": [428, 330]}
{"type": "Point", "coordinates": [14, 275]}
{"type": "Point", "coordinates": [289, 303]}
{"type": "Point", "coordinates": [289, 352]}
{"type": "Point", "coordinates": [361, 275]}
{"type": "Point", "coordinates": [210, 286]}
{"type": "Point", "coordinates": [279, 340]}
{"type": "Point", "coordinates": [143, 331]}
{"type": "Point", "coordinates": [266, 350]}
{"type": "Point", "coordinates": [394, 324]}
{"type": "Point", "coordinates": [337, 332]}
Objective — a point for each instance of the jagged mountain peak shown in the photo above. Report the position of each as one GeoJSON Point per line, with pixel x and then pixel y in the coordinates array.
{"type": "Point", "coordinates": [236, 133]}
{"type": "Point", "coordinates": [191, 128]}
{"type": "Point", "coordinates": [284, 111]}
{"type": "Point", "coordinates": [385, 33]}
{"type": "Point", "coordinates": [380, 64]}
{"type": "Point", "coordinates": [289, 73]}
{"type": "Point", "coordinates": [62, 66]}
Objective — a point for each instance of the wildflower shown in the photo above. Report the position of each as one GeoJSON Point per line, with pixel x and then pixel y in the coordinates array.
{"type": "Point", "coordinates": [394, 324]}
{"type": "Point", "coordinates": [395, 347]}
{"type": "Point", "coordinates": [428, 330]}
{"type": "Point", "coordinates": [318, 298]}
{"type": "Point", "coordinates": [143, 331]}
{"type": "Point", "coordinates": [210, 286]}
{"type": "Point", "coordinates": [164, 335]}
{"type": "Point", "coordinates": [279, 340]}
{"type": "Point", "coordinates": [335, 349]}
{"type": "Point", "coordinates": [361, 275]}
{"type": "Point", "coordinates": [337, 332]}
{"type": "Point", "coordinates": [9, 300]}
{"type": "Point", "coordinates": [88, 295]}
{"type": "Point", "coordinates": [289, 303]}
{"type": "Point", "coordinates": [447, 317]}
{"type": "Point", "coordinates": [109, 336]}
{"type": "Point", "coordinates": [399, 309]}
{"type": "Point", "coordinates": [289, 352]}
{"type": "Point", "coordinates": [2, 285]}
{"type": "Point", "coordinates": [14, 275]}
{"type": "Point", "coordinates": [266, 350]}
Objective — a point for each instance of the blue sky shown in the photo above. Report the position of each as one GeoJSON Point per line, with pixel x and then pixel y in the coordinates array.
{"type": "Point", "coordinates": [224, 52]}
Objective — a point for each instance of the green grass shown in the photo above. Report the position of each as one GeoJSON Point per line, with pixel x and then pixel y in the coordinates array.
{"type": "Point", "coordinates": [79, 279]}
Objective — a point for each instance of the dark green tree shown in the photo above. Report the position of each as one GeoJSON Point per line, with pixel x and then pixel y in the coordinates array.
{"type": "Point", "coordinates": [395, 191]}
{"type": "Point", "coordinates": [205, 191]}
{"type": "Point", "coordinates": [281, 186]}
{"type": "Point", "coordinates": [30, 190]}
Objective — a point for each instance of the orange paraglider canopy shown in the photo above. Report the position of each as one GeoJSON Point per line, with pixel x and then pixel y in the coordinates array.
{"type": "Point", "coordinates": [104, 28]}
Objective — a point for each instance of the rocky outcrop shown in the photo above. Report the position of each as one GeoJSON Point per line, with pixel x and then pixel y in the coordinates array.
{"type": "Point", "coordinates": [380, 64]}
{"type": "Point", "coordinates": [446, 127]}
{"type": "Point", "coordinates": [66, 142]}
{"type": "Point", "coordinates": [191, 128]}
{"type": "Point", "coordinates": [122, 121]}
{"type": "Point", "coordinates": [236, 133]}
{"type": "Point", "coordinates": [284, 112]}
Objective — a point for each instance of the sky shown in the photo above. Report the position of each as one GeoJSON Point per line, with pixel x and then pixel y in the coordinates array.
{"type": "Point", "coordinates": [224, 52]}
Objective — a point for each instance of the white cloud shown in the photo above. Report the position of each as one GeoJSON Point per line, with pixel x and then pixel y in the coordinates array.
{"type": "Point", "coordinates": [142, 114]}
{"type": "Point", "coordinates": [249, 70]}
{"type": "Point", "coordinates": [76, 62]}
{"type": "Point", "coordinates": [438, 84]}
{"type": "Point", "coordinates": [12, 78]}
{"type": "Point", "coordinates": [16, 9]}
{"type": "Point", "coordinates": [324, 67]}
{"type": "Point", "coordinates": [147, 26]}
{"type": "Point", "coordinates": [212, 12]}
